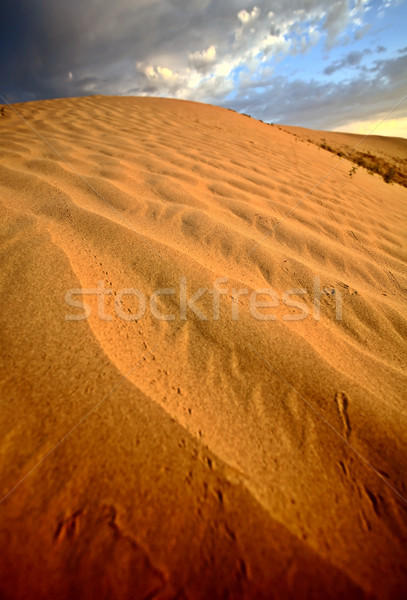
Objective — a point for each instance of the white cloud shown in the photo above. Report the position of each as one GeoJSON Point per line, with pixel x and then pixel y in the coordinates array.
{"type": "Point", "coordinates": [248, 17]}
{"type": "Point", "coordinates": [250, 47]}
{"type": "Point", "coordinates": [202, 61]}
{"type": "Point", "coordinates": [273, 44]}
{"type": "Point", "coordinates": [223, 69]}
{"type": "Point", "coordinates": [161, 80]}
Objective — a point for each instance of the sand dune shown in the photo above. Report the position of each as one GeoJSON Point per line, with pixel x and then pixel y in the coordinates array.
{"type": "Point", "coordinates": [192, 458]}
{"type": "Point", "coordinates": [384, 156]}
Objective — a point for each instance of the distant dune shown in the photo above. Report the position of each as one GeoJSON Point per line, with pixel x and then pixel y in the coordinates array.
{"type": "Point", "coordinates": [231, 456]}
{"type": "Point", "coordinates": [385, 156]}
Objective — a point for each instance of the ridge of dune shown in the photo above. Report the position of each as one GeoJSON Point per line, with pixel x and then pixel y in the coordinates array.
{"type": "Point", "coordinates": [198, 458]}
{"type": "Point", "coordinates": [378, 154]}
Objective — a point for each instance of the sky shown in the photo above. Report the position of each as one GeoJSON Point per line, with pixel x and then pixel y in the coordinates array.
{"type": "Point", "coordinates": [337, 65]}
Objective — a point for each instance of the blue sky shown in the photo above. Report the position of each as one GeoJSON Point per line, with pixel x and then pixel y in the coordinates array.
{"type": "Point", "coordinates": [325, 65]}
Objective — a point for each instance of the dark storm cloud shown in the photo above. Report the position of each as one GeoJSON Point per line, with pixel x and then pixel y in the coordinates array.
{"type": "Point", "coordinates": [186, 48]}
{"type": "Point", "coordinates": [43, 41]}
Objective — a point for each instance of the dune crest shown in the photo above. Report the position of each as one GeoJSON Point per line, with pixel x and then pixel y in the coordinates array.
{"type": "Point", "coordinates": [197, 457]}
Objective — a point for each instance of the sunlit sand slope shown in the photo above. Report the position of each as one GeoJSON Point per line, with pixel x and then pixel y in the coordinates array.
{"type": "Point", "coordinates": [205, 455]}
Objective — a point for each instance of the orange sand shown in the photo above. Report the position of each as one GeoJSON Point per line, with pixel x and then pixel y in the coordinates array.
{"type": "Point", "coordinates": [223, 459]}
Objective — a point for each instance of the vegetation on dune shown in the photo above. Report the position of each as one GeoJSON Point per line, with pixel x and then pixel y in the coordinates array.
{"type": "Point", "coordinates": [392, 171]}
{"type": "Point", "coordinates": [373, 164]}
